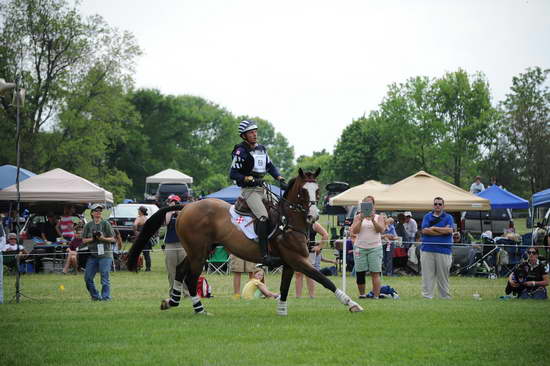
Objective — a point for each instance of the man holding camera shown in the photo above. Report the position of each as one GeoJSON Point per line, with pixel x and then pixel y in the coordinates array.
{"type": "Point", "coordinates": [99, 236]}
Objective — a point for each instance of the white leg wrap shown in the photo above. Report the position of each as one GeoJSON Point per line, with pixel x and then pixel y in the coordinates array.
{"type": "Point", "coordinates": [341, 295]}
{"type": "Point", "coordinates": [282, 308]}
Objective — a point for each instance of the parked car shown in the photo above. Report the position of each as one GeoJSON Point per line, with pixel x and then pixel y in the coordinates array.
{"type": "Point", "coordinates": [166, 189]}
{"type": "Point", "coordinates": [496, 220]}
{"type": "Point", "coordinates": [123, 215]}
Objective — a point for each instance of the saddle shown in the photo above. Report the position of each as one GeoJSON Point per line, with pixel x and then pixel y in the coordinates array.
{"type": "Point", "coordinates": [241, 207]}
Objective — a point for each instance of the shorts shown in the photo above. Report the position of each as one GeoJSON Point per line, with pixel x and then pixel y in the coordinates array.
{"type": "Point", "coordinates": [315, 260]}
{"type": "Point", "coordinates": [240, 265]}
{"type": "Point", "coordinates": [368, 259]}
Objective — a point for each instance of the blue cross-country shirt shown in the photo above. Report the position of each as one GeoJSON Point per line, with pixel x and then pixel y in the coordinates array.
{"type": "Point", "coordinates": [250, 161]}
{"type": "Point", "coordinates": [437, 243]}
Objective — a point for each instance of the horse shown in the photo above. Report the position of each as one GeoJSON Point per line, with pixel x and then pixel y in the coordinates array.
{"type": "Point", "coordinates": [202, 223]}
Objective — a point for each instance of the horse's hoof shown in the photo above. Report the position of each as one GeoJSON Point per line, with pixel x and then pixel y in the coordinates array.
{"type": "Point", "coordinates": [355, 308]}
{"type": "Point", "coordinates": [165, 304]}
{"type": "Point", "coordinates": [204, 313]}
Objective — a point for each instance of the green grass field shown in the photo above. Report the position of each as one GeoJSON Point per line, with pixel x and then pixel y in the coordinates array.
{"type": "Point", "coordinates": [63, 327]}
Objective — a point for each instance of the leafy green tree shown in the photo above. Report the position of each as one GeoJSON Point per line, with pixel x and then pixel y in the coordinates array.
{"type": "Point", "coordinates": [355, 157]}
{"type": "Point", "coordinates": [55, 50]}
{"type": "Point", "coordinates": [462, 103]}
{"type": "Point", "coordinates": [526, 112]}
{"type": "Point", "coordinates": [408, 130]}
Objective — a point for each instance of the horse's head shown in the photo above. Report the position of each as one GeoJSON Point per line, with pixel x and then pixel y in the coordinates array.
{"type": "Point", "coordinates": [304, 191]}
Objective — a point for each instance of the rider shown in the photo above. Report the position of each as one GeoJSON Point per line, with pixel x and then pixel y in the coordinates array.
{"type": "Point", "coordinates": [250, 164]}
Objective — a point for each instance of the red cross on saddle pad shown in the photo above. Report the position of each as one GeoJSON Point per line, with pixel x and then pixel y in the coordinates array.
{"type": "Point", "coordinates": [239, 220]}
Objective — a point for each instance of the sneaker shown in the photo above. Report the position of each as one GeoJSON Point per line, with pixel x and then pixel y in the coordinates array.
{"type": "Point", "coordinates": [363, 296]}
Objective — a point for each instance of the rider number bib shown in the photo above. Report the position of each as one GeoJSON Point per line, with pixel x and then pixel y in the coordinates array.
{"type": "Point", "coordinates": [260, 161]}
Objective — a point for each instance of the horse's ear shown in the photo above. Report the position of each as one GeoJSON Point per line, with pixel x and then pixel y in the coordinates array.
{"type": "Point", "coordinates": [317, 172]}
{"type": "Point", "coordinates": [301, 172]}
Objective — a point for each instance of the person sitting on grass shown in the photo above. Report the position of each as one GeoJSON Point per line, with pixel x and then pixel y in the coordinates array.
{"type": "Point", "coordinates": [530, 279]}
{"type": "Point", "coordinates": [256, 288]}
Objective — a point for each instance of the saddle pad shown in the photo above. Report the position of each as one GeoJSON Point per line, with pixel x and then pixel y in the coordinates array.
{"type": "Point", "coordinates": [245, 223]}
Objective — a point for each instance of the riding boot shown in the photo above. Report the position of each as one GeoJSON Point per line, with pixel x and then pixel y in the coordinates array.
{"type": "Point", "coordinates": [263, 232]}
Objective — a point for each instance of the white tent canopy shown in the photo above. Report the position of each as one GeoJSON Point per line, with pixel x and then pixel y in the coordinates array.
{"type": "Point", "coordinates": [57, 185]}
{"type": "Point", "coordinates": [355, 194]}
{"type": "Point", "coordinates": [169, 176]}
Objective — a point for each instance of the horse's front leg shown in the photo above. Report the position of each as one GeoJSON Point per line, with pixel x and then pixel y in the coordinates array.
{"type": "Point", "coordinates": [286, 278]}
{"type": "Point", "coordinates": [307, 269]}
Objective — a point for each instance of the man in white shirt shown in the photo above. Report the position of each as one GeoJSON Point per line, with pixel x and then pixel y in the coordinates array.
{"type": "Point", "coordinates": [477, 186]}
{"type": "Point", "coordinates": [411, 228]}
{"type": "Point", "coordinates": [2, 245]}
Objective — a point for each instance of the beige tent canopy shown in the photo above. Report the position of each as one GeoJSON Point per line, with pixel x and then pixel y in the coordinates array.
{"type": "Point", "coordinates": [169, 176]}
{"type": "Point", "coordinates": [57, 185]}
{"type": "Point", "coordinates": [416, 193]}
{"type": "Point", "coordinates": [355, 194]}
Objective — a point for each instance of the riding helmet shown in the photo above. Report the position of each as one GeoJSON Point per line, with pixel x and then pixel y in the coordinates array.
{"type": "Point", "coordinates": [246, 126]}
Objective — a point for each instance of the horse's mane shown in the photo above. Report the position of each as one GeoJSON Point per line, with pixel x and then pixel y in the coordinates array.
{"type": "Point", "coordinates": [290, 185]}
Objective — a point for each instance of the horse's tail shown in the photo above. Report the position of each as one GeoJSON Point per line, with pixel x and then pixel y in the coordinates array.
{"type": "Point", "coordinates": [149, 229]}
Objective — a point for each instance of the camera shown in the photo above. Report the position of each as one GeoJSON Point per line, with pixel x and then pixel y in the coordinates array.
{"type": "Point", "coordinates": [96, 235]}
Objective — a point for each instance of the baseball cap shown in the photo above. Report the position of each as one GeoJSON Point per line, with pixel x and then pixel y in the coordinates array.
{"type": "Point", "coordinates": [408, 213]}
{"type": "Point", "coordinates": [95, 206]}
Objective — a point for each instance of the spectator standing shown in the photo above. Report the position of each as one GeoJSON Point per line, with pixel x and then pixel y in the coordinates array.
{"type": "Point", "coordinates": [477, 186]}
{"type": "Point", "coordinates": [2, 246]}
{"type": "Point", "coordinates": [368, 248]}
{"type": "Point", "coordinates": [173, 251]}
{"type": "Point", "coordinates": [388, 240]}
{"type": "Point", "coordinates": [314, 258]}
{"type": "Point", "coordinates": [238, 267]}
{"type": "Point", "coordinates": [49, 229]}
{"type": "Point", "coordinates": [99, 236]}
{"type": "Point", "coordinates": [436, 251]}
{"type": "Point", "coordinates": [65, 225]}
{"type": "Point", "coordinates": [138, 225]}
{"type": "Point", "coordinates": [533, 284]}
{"type": "Point", "coordinates": [411, 227]}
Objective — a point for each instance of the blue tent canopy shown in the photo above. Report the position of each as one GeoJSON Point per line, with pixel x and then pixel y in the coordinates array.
{"type": "Point", "coordinates": [231, 193]}
{"type": "Point", "coordinates": [541, 198]}
{"type": "Point", "coordinates": [8, 174]}
{"type": "Point", "coordinates": [500, 198]}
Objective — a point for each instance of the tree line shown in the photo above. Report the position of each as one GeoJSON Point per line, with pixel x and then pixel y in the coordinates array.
{"type": "Point", "coordinates": [83, 113]}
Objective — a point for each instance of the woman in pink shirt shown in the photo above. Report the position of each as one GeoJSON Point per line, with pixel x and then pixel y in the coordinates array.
{"type": "Point", "coordinates": [368, 251]}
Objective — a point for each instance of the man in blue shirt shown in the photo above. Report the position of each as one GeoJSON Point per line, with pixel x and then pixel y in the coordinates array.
{"type": "Point", "coordinates": [436, 250]}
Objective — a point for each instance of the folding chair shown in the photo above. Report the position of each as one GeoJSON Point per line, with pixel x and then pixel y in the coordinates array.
{"type": "Point", "coordinates": [218, 261]}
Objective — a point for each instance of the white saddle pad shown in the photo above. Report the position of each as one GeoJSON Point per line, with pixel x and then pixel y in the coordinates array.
{"type": "Point", "coordinates": [245, 223]}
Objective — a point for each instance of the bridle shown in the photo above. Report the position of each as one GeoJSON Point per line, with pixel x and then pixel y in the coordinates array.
{"type": "Point", "coordinates": [301, 207]}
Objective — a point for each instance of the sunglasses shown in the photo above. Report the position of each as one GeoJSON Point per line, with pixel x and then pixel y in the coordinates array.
{"type": "Point", "coordinates": [531, 252]}
{"type": "Point", "coordinates": [438, 204]}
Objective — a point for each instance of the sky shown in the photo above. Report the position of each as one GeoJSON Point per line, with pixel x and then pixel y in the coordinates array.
{"type": "Point", "coordinates": [312, 67]}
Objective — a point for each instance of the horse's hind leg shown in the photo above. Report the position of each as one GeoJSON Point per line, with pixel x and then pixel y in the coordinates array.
{"type": "Point", "coordinates": [282, 305]}
{"type": "Point", "coordinates": [178, 287]}
{"type": "Point", "coordinates": [191, 280]}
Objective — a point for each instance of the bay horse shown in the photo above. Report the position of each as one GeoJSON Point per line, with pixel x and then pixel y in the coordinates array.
{"type": "Point", "coordinates": [202, 223]}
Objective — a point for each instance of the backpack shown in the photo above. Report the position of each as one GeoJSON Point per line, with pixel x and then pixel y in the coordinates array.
{"type": "Point", "coordinates": [203, 288]}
